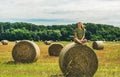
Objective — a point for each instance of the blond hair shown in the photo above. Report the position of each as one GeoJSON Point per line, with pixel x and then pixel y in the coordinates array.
{"type": "Point", "coordinates": [82, 26]}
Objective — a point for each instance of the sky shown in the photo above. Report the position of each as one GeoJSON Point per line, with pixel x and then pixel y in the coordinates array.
{"type": "Point", "coordinates": [49, 12]}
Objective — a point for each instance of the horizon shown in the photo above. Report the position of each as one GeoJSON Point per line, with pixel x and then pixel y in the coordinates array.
{"type": "Point", "coordinates": [60, 23]}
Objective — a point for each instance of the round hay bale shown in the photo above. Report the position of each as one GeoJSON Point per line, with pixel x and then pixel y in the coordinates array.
{"type": "Point", "coordinates": [47, 42]}
{"type": "Point", "coordinates": [17, 41]}
{"type": "Point", "coordinates": [26, 52]}
{"type": "Point", "coordinates": [55, 49]}
{"type": "Point", "coordinates": [98, 45]}
{"type": "Point", "coordinates": [4, 42]}
{"type": "Point", "coordinates": [78, 60]}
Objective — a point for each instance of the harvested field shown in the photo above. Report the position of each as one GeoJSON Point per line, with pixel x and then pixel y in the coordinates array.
{"type": "Point", "coordinates": [48, 66]}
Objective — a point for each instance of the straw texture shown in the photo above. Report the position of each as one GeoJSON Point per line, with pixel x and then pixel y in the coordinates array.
{"type": "Point", "coordinates": [25, 51]}
{"type": "Point", "coordinates": [55, 49]}
{"type": "Point", "coordinates": [77, 60]}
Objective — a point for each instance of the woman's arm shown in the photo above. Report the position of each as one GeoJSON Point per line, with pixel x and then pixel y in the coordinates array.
{"type": "Point", "coordinates": [75, 35]}
{"type": "Point", "coordinates": [83, 37]}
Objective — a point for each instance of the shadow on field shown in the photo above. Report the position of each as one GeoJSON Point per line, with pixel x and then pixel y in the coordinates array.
{"type": "Point", "coordinates": [14, 62]}
{"type": "Point", "coordinates": [10, 62]}
{"type": "Point", "coordinates": [57, 75]}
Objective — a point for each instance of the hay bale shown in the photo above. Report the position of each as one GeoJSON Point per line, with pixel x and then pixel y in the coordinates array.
{"type": "Point", "coordinates": [77, 60]}
{"type": "Point", "coordinates": [55, 49]}
{"type": "Point", "coordinates": [47, 42]}
{"type": "Point", "coordinates": [26, 52]}
{"type": "Point", "coordinates": [98, 45]}
{"type": "Point", "coordinates": [17, 41]}
{"type": "Point", "coordinates": [4, 42]}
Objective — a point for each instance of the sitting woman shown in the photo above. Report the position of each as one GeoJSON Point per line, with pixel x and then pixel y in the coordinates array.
{"type": "Point", "coordinates": [79, 36]}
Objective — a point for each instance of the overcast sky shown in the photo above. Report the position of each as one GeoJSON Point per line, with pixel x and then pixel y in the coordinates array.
{"type": "Point", "coordinates": [60, 11]}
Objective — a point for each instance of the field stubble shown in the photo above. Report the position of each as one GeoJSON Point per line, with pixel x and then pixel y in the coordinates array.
{"type": "Point", "coordinates": [47, 66]}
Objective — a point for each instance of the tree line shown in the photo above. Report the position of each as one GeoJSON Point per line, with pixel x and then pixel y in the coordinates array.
{"type": "Point", "coordinates": [28, 31]}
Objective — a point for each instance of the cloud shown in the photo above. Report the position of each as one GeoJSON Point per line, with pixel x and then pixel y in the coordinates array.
{"type": "Point", "coordinates": [62, 11]}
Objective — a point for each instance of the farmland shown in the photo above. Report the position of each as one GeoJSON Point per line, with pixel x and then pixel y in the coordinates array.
{"type": "Point", "coordinates": [48, 66]}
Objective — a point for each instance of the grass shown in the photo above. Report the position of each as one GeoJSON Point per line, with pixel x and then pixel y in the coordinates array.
{"type": "Point", "coordinates": [47, 66]}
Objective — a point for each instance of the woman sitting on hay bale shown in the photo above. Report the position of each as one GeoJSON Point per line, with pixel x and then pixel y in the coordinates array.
{"type": "Point", "coordinates": [80, 34]}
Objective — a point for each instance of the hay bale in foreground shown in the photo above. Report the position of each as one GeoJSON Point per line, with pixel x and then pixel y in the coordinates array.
{"type": "Point", "coordinates": [47, 42]}
{"type": "Point", "coordinates": [98, 45]}
{"type": "Point", "coordinates": [78, 60]}
{"type": "Point", "coordinates": [55, 49]}
{"type": "Point", "coordinates": [4, 42]}
{"type": "Point", "coordinates": [25, 51]}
